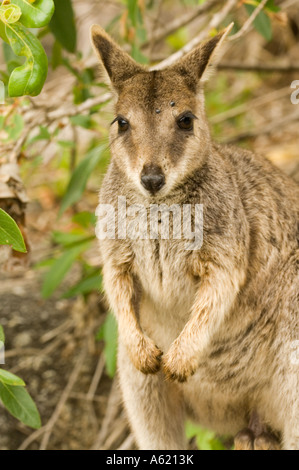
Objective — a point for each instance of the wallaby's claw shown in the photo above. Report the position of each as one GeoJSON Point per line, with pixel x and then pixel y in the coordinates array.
{"type": "Point", "coordinates": [146, 357]}
{"type": "Point", "coordinates": [177, 366]}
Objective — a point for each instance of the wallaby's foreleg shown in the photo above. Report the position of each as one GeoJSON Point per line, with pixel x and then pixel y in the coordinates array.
{"type": "Point", "coordinates": [119, 286]}
{"type": "Point", "coordinates": [154, 407]}
{"type": "Point", "coordinates": [215, 297]}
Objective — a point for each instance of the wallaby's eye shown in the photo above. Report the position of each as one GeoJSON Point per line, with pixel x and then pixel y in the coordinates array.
{"type": "Point", "coordinates": [185, 121]}
{"type": "Point", "coordinates": [123, 125]}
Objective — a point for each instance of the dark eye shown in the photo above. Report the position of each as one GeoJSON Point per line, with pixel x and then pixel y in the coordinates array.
{"type": "Point", "coordinates": [123, 125]}
{"type": "Point", "coordinates": [186, 123]}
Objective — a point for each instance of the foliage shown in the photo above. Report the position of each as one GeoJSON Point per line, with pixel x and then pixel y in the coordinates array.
{"type": "Point", "coordinates": [205, 440]}
{"type": "Point", "coordinates": [10, 233]}
{"type": "Point", "coordinates": [16, 16]}
{"type": "Point", "coordinates": [13, 395]}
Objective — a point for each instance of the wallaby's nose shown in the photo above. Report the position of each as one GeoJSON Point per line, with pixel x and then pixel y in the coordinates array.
{"type": "Point", "coordinates": [152, 178]}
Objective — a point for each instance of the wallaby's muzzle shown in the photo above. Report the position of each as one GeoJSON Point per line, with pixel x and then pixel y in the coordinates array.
{"type": "Point", "coordinates": [152, 178]}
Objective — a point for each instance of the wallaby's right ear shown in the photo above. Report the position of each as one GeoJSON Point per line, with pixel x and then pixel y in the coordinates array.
{"type": "Point", "coordinates": [118, 64]}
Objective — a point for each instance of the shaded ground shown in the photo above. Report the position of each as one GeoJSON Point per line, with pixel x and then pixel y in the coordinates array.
{"type": "Point", "coordinates": [45, 340]}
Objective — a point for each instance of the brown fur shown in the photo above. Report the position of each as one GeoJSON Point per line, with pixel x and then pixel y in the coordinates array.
{"type": "Point", "coordinates": [224, 316]}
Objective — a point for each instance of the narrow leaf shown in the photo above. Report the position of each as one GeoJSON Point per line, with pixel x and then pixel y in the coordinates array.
{"type": "Point", "coordinates": [108, 333]}
{"type": "Point", "coordinates": [19, 403]}
{"type": "Point", "coordinates": [262, 22]}
{"type": "Point", "coordinates": [85, 286]}
{"type": "Point", "coordinates": [59, 269]}
{"type": "Point", "coordinates": [10, 233]}
{"type": "Point", "coordinates": [10, 379]}
{"type": "Point", "coordinates": [63, 25]}
{"type": "Point", "coordinates": [80, 177]}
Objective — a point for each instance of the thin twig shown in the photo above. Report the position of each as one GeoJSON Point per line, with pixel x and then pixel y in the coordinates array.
{"type": "Point", "coordinates": [112, 410]}
{"type": "Point", "coordinates": [47, 429]}
{"type": "Point", "coordinates": [180, 22]}
{"type": "Point", "coordinates": [96, 378]}
{"type": "Point", "coordinates": [214, 23]}
{"type": "Point", "coordinates": [65, 394]}
{"type": "Point", "coordinates": [249, 21]}
{"type": "Point", "coordinates": [272, 126]}
{"type": "Point", "coordinates": [243, 108]}
{"type": "Point", "coordinates": [267, 67]}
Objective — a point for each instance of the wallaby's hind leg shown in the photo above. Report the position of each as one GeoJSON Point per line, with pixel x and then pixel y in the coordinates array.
{"type": "Point", "coordinates": [154, 407]}
{"type": "Point", "coordinates": [256, 436]}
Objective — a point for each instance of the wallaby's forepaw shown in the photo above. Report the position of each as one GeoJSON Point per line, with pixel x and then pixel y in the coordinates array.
{"type": "Point", "coordinates": [178, 366]}
{"type": "Point", "coordinates": [146, 357]}
{"type": "Point", "coordinates": [246, 440]}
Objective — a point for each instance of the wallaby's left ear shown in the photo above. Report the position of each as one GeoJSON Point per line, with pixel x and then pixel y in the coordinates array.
{"type": "Point", "coordinates": [117, 63]}
{"type": "Point", "coordinates": [195, 64]}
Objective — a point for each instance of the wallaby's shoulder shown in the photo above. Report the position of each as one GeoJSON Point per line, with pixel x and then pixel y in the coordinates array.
{"type": "Point", "coordinates": [255, 172]}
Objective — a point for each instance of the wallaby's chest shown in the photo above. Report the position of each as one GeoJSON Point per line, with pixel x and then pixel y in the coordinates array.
{"type": "Point", "coordinates": [162, 269]}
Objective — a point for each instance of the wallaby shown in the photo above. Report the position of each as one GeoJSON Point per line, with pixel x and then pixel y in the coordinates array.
{"type": "Point", "coordinates": [210, 333]}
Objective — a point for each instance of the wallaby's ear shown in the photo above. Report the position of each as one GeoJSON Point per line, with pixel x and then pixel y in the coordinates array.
{"type": "Point", "coordinates": [118, 64]}
{"type": "Point", "coordinates": [195, 65]}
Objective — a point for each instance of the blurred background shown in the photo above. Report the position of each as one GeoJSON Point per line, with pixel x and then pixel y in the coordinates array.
{"type": "Point", "coordinates": [54, 151]}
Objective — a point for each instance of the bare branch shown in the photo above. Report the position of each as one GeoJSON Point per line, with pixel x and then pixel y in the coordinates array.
{"type": "Point", "coordinates": [267, 67]}
{"type": "Point", "coordinates": [254, 103]}
{"type": "Point", "coordinates": [214, 23]}
{"type": "Point", "coordinates": [268, 129]}
{"type": "Point", "coordinates": [178, 23]}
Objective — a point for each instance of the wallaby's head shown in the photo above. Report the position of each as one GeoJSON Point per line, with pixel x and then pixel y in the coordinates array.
{"type": "Point", "coordinates": [159, 134]}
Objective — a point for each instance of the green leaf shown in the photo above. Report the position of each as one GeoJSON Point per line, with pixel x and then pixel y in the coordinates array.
{"type": "Point", "coordinates": [83, 121]}
{"type": "Point", "coordinates": [20, 404]}
{"type": "Point", "coordinates": [2, 335]}
{"type": "Point", "coordinates": [132, 11]}
{"type": "Point", "coordinates": [63, 25]}
{"type": "Point", "coordinates": [10, 13]}
{"type": "Point", "coordinates": [15, 129]}
{"type": "Point", "coordinates": [43, 134]}
{"type": "Point", "coordinates": [56, 59]}
{"type": "Point", "coordinates": [93, 283]}
{"type": "Point", "coordinates": [60, 268]}
{"type": "Point", "coordinates": [10, 379]}
{"type": "Point", "coordinates": [108, 332]}
{"type": "Point", "coordinates": [35, 14]}
{"type": "Point", "coordinates": [29, 78]}
{"type": "Point", "coordinates": [262, 22]}
{"type": "Point", "coordinates": [85, 219]}
{"type": "Point", "coordinates": [10, 233]}
{"type": "Point", "coordinates": [70, 239]}
{"type": "Point", "coordinates": [80, 177]}
{"type": "Point", "coordinates": [205, 439]}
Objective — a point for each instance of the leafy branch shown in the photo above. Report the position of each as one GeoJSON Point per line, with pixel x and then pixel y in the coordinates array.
{"type": "Point", "coordinates": [15, 17]}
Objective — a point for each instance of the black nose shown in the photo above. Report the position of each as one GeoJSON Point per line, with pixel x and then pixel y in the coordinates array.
{"type": "Point", "coordinates": [152, 178]}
